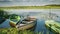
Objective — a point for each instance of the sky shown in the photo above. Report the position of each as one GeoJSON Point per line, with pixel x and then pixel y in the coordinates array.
{"type": "Point", "coordinates": [27, 2]}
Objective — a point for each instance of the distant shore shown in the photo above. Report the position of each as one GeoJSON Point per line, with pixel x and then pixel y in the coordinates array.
{"type": "Point", "coordinates": [33, 7]}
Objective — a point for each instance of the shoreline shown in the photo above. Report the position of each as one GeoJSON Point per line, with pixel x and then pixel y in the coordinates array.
{"type": "Point", "coordinates": [31, 7]}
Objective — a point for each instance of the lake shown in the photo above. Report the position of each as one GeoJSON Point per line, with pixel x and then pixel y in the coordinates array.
{"type": "Point", "coordinates": [40, 14]}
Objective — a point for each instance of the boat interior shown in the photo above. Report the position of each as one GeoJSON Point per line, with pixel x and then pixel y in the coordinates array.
{"type": "Point", "coordinates": [26, 21]}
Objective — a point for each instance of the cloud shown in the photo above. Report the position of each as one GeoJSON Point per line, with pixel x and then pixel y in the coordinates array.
{"type": "Point", "coordinates": [54, 0]}
{"type": "Point", "coordinates": [6, 0]}
{"type": "Point", "coordinates": [51, 0]}
{"type": "Point", "coordinates": [28, 2]}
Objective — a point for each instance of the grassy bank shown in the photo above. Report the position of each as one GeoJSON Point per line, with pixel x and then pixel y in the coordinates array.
{"type": "Point", "coordinates": [33, 7]}
{"type": "Point", "coordinates": [15, 31]}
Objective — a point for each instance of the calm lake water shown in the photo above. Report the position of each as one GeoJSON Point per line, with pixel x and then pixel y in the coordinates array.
{"type": "Point", "coordinates": [40, 27]}
{"type": "Point", "coordinates": [41, 16]}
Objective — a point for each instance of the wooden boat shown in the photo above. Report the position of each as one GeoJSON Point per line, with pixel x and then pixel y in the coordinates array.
{"type": "Point", "coordinates": [27, 23]}
{"type": "Point", "coordinates": [23, 24]}
{"type": "Point", "coordinates": [14, 19]}
{"type": "Point", "coordinates": [53, 25]}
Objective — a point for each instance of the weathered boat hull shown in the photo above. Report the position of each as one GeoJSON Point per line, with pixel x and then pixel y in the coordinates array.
{"type": "Point", "coordinates": [27, 26]}
{"type": "Point", "coordinates": [12, 24]}
{"type": "Point", "coordinates": [52, 27]}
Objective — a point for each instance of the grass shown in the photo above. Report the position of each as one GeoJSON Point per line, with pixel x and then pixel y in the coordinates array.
{"type": "Point", "coordinates": [31, 7]}
{"type": "Point", "coordinates": [15, 31]}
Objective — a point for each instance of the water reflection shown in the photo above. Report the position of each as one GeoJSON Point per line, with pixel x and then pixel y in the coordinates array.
{"type": "Point", "coordinates": [5, 24]}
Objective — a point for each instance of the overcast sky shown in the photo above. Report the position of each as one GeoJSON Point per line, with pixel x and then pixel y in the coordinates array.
{"type": "Point", "coordinates": [27, 2]}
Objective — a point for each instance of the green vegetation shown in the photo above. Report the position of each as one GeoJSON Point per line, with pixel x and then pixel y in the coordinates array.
{"type": "Point", "coordinates": [8, 31]}
{"type": "Point", "coordinates": [33, 7]}
{"type": "Point", "coordinates": [3, 14]}
{"type": "Point", "coordinates": [15, 31]}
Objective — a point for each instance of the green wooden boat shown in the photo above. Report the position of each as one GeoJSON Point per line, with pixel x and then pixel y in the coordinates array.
{"type": "Point", "coordinates": [53, 25]}
{"type": "Point", "coordinates": [14, 19]}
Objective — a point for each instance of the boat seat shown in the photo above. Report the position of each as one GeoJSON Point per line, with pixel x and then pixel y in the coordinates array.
{"type": "Point", "coordinates": [30, 22]}
{"type": "Point", "coordinates": [26, 22]}
{"type": "Point", "coordinates": [20, 25]}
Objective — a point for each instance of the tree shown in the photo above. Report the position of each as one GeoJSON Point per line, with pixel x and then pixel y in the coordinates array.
{"type": "Point", "coordinates": [3, 14]}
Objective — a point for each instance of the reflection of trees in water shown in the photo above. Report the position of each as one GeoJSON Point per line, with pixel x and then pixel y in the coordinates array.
{"type": "Point", "coordinates": [3, 15]}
